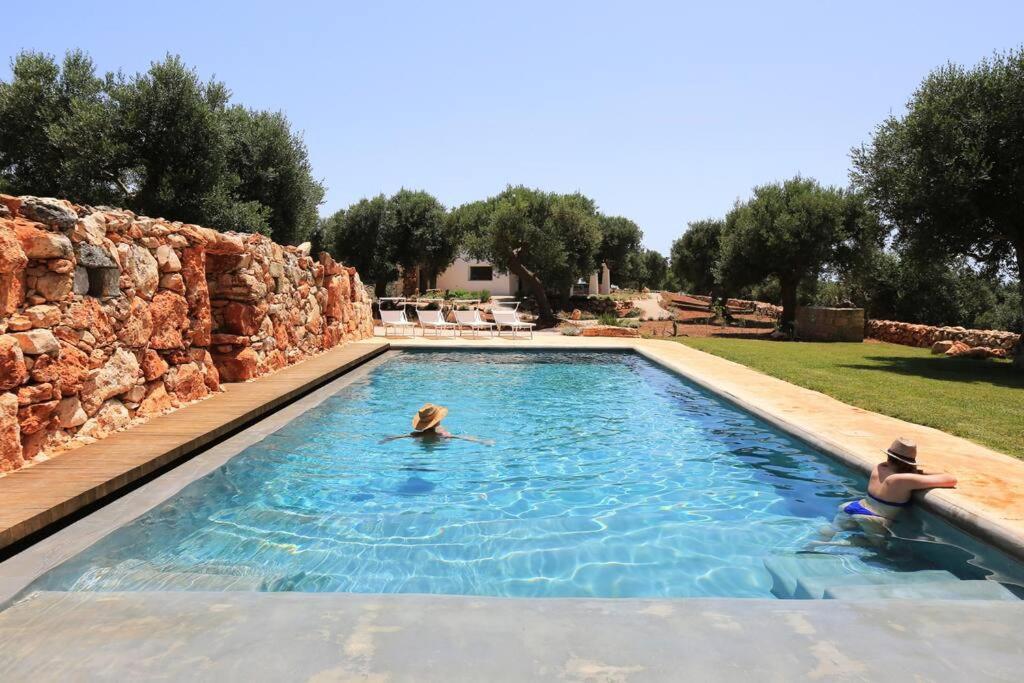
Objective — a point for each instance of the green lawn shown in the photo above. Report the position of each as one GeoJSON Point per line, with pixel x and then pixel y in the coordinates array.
{"type": "Point", "coordinates": [979, 400]}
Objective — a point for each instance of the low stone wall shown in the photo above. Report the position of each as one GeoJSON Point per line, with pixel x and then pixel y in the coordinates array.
{"type": "Point", "coordinates": [108, 318]}
{"type": "Point", "coordinates": [759, 307]}
{"type": "Point", "coordinates": [911, 334]}
{"type": "Point", "coordinates": [818, 323]}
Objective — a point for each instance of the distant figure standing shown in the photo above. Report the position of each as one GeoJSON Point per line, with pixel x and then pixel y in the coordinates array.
{"type": "Point", "coordinates": [426, 425]}
{"type": "Point", "coordinates": [890, 488]}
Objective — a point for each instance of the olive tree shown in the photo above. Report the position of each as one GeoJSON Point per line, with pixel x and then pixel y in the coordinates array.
{"type": "Point", "coordinates": [355, 236]}
{"type": "Point", "coordinates": [790, 231]}
{"type": "Point", "coordinates": [620, 247]}
{"type": "Point", "coordinates": [948, 176]}
{"type": "Point", "coordinates": [547, 240]}
{"type": "Point", "coordinates": [695, 256]}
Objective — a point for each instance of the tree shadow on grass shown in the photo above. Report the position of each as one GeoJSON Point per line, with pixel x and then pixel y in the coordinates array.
{"type": "Point", "coordinates": [968, 370]}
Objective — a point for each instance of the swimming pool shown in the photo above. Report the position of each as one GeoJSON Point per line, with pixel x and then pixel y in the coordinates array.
{"type": "Point", "coordinates": [608, 477]}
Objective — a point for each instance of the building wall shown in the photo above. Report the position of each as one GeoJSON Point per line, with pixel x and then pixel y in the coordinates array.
{"type": "Point", "coordinates": [457, 277]}
{"type": "Point", "coordinates": [108, 318]}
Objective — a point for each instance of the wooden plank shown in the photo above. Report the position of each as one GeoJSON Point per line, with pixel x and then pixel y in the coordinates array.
{"type": "Point", "coordinates": [42, 494]}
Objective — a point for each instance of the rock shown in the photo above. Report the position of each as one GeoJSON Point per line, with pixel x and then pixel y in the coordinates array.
{"type": "Point", "coordinates": [135, 394]}
{"type": "Point", "coordinates": [36, 416]}
{"type": "Point", "coordinates": [19, 323]}
{"type": "Point", "coordinates": [60, 265]}
{"type": "Point", "coordinates": [57, 213]}
{"type": "Point", "coordinates": [67, 370]}
{"type": "Point", "coordinates": [36, 393]}
{"type": "Point", "coordinates": [138, 328]}
{"type": "Point", "coordinates": [170, 320]}
{"type": "Point", "coordinates": [237, 366]}
{"type": "Point", "coordinates": [157, 400]}
{"type": "Point", "coordinates": [36, 342]}
{"type": "Point", "coordinates": [43, 315]}
{"type": "Point", "coordinates": [942, 346]}
{"type": "Point", "coordinates": [141, 268]}
{"type": "Point", "coordinates": [12, 292]}
{"type": "Point", "coordinates": [12, 363]}
{"type": "Point", "coordinates": [197, 294]}
{"type": "Point", "coordinates": [94, 256]}
{"type": "Point", "coordinates": [958, 349]}
{"type": "Point", "coordinates": [87, 314]}
{"type": "Point", "coordinates": [12, 256]}
{"type": "Point", "coordinates": [70, 413]}
{"type": "Point", "coordinates": [10, 434]}
{"type": "Point", "coordinates": [187, 382]}
{"type": "Point", "coordinates": [576, 314]}
{"type": "Point", "coordinates": [111, 417]}
{"type": "Point", "coordinates": [117, 376]}
{"type": "Point", "coordinates": [153, 366]}
{"type": "Point", "coordinates": [243, 319]}
{"type": "Point", "coordinates": [173, 282]}
{"type": "Point", "coordinates": [204, 360]}
{"type": "Point", "coordinates": [40, 244]}
{"type": "Point", "coordinates": [167, 259]}
{"type": "Point", "coordinates": [55, 286]}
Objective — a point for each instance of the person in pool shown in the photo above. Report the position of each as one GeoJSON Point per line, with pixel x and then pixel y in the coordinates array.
{"type": "Point", "coordinates": [426, 425]}
{"type": "Point", "coordinates": [890, 488]}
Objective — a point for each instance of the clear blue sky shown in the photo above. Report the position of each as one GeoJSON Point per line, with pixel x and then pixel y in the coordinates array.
{"type": "Point", "coordinates": [660, 112]}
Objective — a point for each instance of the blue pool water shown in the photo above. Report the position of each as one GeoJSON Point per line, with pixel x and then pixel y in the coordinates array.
{"type": "Point", "coordinates": [607, 477]}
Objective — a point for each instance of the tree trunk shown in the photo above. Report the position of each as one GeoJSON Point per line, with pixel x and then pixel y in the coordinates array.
{"type": "Point", "coordinates": [789, 290]}
{"type": "Point", "coordinates": [1018, 353]}
{"type": "Point", "coordinates": [380, 288]}
{"type": "Point", "coordinates": [545, 315]}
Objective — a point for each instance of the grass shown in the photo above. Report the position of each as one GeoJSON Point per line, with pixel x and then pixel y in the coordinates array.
{"type": "Point", "coordinates": [979, 400]}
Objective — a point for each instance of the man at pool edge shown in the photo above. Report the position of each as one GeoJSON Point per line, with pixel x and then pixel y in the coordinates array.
{"type": "Point", "coordinates": [426, 425]}
{"type": "Point", "coordinates": [890, 488]}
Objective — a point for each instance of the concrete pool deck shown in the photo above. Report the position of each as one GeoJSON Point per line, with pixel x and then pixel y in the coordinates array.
{"type": "Point", "coordinates": [988, 501]}
{"type": "Point", "coordinates": [340, 637]}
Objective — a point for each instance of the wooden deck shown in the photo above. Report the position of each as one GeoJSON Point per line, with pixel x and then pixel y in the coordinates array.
{"type": "Point", "coordinates": [37, 496]}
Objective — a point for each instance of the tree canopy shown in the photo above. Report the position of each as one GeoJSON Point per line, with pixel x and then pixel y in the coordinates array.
{"type": "Point", "coordinates": [789, 230]}
{"type": "Point", "coordinates": [547, 240]}
{"type": "Point", "coordinates": [949, 175]}
{"type": "Point", "coordinates": [416, 234]}
{"type": "Point", "coordinates": [355, 234]}
{"type": "Point", "coordinates": [695, 256]}
{"type": "Point", "coordinates": [620, 240]}
{"type": "Point", "coordinates": [161, 142]}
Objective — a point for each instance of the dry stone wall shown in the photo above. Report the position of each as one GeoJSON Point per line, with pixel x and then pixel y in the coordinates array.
{"type": "Point", "coordinates": [108, 318]}
{"type": "Point", "coordinates": [818, 323]}
{"type": "Point", "coordinates": [911, 334]}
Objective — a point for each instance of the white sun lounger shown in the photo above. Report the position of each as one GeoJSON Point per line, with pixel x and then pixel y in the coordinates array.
{"type": "Point", "coordinates": [434, 320]}
{"type": "Point", "coordinates": [396, 320]}
{"type": "Point", "coordinates": [510, 319]}
{"type": "Point", "coordinates": [472, 320]}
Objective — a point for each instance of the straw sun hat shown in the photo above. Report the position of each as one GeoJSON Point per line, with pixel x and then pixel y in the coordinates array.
{"type": "Point", "coordinates": [903, 450]}
{"type": "Point", "coordinates": [428, 416]}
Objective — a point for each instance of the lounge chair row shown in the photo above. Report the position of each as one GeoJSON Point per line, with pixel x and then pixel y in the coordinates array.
{"type": "Point", "coordinates": [464, 320]}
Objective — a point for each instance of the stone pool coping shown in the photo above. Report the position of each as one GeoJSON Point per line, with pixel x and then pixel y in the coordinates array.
{"type": "Point", "coordinates": [43, 494]}
{"type": "Point", "coordinates": [988, 501]}
{"type": "Point", "coordinates": [348, 637]}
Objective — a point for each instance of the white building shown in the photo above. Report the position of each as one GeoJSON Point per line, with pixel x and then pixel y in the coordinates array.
{"type": "Point", "coordinates": [472, 275]}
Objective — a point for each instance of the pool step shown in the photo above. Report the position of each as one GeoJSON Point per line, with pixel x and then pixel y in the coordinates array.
{"type": "Point", "coordinates": [152, 579]}
{"type": "Point", "coordinates": [787, 570]}
{"type": "Point", "coordinates": [814, 587]}
{"type": "Point", "coordinates": [974, 589]}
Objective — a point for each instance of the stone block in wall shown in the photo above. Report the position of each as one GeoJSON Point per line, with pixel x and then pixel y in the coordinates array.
{"type": "Point", "coordinates": [814, 323]}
